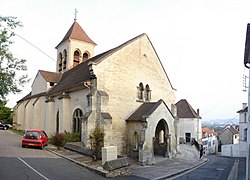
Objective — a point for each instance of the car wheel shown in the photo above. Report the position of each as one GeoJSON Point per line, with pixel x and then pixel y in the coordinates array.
{"type": "Point", "coordinates": [23, 146]}
{"type": "Point", "coordinates": [4, 128]}
{"type": "Point", "coordinates": [42, 146]}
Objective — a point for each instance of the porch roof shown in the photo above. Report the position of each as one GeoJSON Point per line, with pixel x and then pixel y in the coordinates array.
{"type": "Point", "coordinates": [144, 111]}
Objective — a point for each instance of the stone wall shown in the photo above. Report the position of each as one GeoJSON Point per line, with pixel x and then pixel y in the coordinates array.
{"type": "Point", "coordinates": [120, 74]}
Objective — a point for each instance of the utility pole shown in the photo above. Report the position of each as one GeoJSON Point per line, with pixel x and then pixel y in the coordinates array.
{"type": "Point", "coordinates": [247, 64]}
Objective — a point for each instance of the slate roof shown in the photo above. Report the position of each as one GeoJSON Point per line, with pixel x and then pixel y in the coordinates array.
{"type": "Point", "coordinates": [76, 32]}
{"type": "Point", "coordinates": [29, 96]}
{"type": "Point", "coordinates": [72, 79]}
{"type": "Point", "coordinates": [243, 110]}
{"type": "Point", "coordinates": [185, 110]}
{"type": "Point", "coordinates": [50, 76]}
{"type": "Point", "coordinates": [231, 128]}
{"type": "Point", "coordinates": [145, 110]}
{"type": "Point", "coordinates": [80, 73]}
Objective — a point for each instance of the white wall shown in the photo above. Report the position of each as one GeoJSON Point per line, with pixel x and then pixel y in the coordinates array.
{"type": "Point", "coordinates": [234, 150]}
{"type": "Point", "coordinates": [39, 85]}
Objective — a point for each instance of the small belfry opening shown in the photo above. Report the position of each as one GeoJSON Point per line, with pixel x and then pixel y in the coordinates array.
{"type": "Point", "coordinates": [76, 58]}
{"type": "Point", "coordinates": [85, 57]}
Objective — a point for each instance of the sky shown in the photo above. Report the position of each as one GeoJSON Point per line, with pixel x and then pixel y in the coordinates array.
{"type": "Point", "coordinates": [199, 42]}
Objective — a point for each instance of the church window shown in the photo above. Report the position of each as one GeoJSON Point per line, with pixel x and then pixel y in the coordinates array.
{"type": "Point", "coordinates": [140, 90]}
{"type": "Point", "coordinates": [245, 134]}
{"type": "Point", "coordinates": [60, 62]}
{"type": "Point", "coordinates": [76, 58]}
{"type": "Point", "coordinates": [161, 137]}
{"type": "Point", "coordinates": [65, 58]}
{"type": "Point", "coordinates": [77, 120]}
{"type": "Point", "coordinates": [136, 141]}
{"type": "Point", "coordinates": [147, 93]}
{"type": "Point", "coordinates": [57, 122]}
{"type": "Point", "coordinates": [88, 100]}
{"type": "Point", "coordinates": [85, 57]}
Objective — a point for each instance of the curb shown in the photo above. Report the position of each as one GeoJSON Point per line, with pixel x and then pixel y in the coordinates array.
{"type": "Point", "coordinates": [99, 171]}
{"type": "Point", "coordinates": [234, 171]}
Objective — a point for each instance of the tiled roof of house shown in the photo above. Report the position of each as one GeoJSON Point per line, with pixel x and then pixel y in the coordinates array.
{"type": "Point", "coordinates": [230, 128]}
{"type": "Point", "coordinates": [145, 110]}
{"type": "Point", "coordinates": [208, 131]}
{"type": "Point", "coordinates": [50, 76]}
{"type": "Point", "coordinates": [76, 32]}
{"type": "Point", "coordinates": [185, 110]}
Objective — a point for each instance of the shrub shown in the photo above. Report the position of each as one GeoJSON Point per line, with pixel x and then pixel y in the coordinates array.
{"type": "Point", "coordinates": [96, 139]}
{"type": "Point", "coordinates": [58, 139]}
{"type": "Point", "coordinates": [72, 137]}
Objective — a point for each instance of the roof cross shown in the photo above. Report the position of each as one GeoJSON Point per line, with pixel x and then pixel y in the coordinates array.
{"type": "Point", "coordinates": [75, 14]}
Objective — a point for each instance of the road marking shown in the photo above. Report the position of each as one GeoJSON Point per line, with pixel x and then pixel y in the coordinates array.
{"type": "Point", "coordinates": [33, 169]}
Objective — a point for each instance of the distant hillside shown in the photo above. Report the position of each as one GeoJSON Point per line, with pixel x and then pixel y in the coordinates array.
{"type": "Point", "coordinates": [218, 124]}
{"type": "Point", "coordinates": [220, 121]}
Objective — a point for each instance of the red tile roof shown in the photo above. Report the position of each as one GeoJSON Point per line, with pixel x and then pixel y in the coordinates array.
{"type": "Point", "coordinates": [50, 76]}
{"type": "Point", "coordinates": [76, 32]}
{"type": "Point", "coordinates": [208, 131]}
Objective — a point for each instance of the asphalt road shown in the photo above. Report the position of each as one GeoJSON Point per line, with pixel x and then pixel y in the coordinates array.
{"type": "Point", "coordinates": [217, 168]}
{"type": "Point", "coordinates": [31, 163]}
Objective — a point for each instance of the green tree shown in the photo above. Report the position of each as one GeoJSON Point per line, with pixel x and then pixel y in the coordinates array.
{"type": "Point", "coordinates": [12, 69]}
{"type": "Point", "coordinates": [5, 113]}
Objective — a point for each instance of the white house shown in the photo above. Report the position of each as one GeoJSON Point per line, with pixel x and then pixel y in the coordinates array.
{"type": "Point", "coordinates": [209, 140]}
{"type": "Point", "coordinates": [189, 122]}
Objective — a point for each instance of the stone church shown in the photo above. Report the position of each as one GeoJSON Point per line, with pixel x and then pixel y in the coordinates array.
{"type": "Point", "coordinates": [125, 91]}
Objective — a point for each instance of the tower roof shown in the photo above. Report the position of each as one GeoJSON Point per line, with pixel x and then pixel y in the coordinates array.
{"type": "Point", "coordinates": [76, 32]}
{"type": "Point", "coordinates": [185, 110]}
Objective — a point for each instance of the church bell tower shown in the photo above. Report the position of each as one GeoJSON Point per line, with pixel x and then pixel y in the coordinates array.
{"type": "Point", "coordinates": [76, 47]}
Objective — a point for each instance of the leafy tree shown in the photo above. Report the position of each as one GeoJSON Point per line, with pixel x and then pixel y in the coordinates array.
{"type": "Point", "coordinates": [12, 69]}
{"type": "Point", "coordinates": [5, 113]}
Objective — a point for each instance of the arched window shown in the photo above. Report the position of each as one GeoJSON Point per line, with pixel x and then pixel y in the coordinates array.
{"type": "Point", "coordinates": [57, 122]}
{"type": "Point", "coordinates": [147, 93]}
{"type": "Point", "coordinates": [161, 137]}
{"type": "Point", "coordinates": [76, 58]}
{"type": "Point", "coordinates": [85, 57]}
{"type": "Point", "coordinates": [77, 119]}
{"type": "Point", "coordinates": [140, 92]}
{"type": "Point", "coordinates": [65, 58]}
{"type": "Point", "coordinates": [60, 62]}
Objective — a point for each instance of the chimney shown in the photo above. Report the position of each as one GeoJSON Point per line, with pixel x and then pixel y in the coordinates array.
{"type": "Point", "coordinates": [174, 110]}
{"type": "Point", "coordinates": [198, 112]}
{"type": "Point", "coordinates": [244, 105]}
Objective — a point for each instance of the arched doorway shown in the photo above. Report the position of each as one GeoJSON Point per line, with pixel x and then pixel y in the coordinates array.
{"type": "Point", "coordinates": [77, 120]}
{"type": "Point", "coordinates": [161, 142]}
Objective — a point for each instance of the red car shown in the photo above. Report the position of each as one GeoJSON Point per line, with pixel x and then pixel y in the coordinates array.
{"type": "Point", "coordinates": [35, 138]}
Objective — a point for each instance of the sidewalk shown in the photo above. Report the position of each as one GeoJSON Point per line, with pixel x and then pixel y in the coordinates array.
{"type": "Point", "coordinates": [164, 167]}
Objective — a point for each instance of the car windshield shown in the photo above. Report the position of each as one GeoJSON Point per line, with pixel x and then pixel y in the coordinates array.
{"type": "Point", "coordinates": [32, 135]}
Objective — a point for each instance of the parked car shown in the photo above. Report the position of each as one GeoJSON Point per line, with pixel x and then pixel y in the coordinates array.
{"type": "Point", "coordinates": [35, 138]}
{"type": "Point", "coordinates": [4, 126]}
